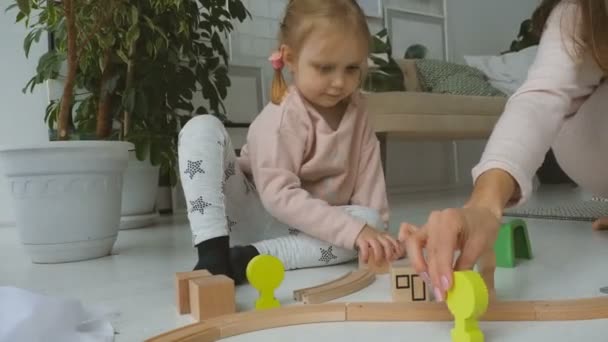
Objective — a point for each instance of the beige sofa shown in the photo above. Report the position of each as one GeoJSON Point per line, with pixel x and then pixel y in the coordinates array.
{"type": "Point", "coordinates": [417, 114]}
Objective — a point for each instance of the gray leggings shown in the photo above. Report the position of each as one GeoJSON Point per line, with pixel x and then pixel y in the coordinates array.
{"type": "Point", "coordinates": [223, 201]}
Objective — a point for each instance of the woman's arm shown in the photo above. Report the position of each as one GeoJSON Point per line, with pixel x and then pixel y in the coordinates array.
{"type": "Point", "coordinates": [558, 82]}
{"type": "Point", "coordinates": [493, 190]}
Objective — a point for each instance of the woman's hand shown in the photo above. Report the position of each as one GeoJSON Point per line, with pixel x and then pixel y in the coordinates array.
{"type": "Point", "coordinates": [600, 224]}
{"type": "Point", "coordinates": [377, 245]}
{"type": "Point", "coordinates": [471, 230]}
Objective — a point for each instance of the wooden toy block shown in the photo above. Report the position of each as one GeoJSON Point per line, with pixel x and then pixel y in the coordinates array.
{"type": "Point", "coordinates": [467, 300]}
{"type": "Point", "coordinates": [211, 297]}
{"type": "Point", "coordinates": [265, 273]}
{"type": "Point", "coordinates": [182, 289]}
{"type": "Point", "coordinates": [371, 266]}
{"type": "Point", "coordinates": [407, 285]}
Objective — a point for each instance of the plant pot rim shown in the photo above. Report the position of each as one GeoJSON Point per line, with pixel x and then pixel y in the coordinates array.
{"type": "Point", "coordinates": [70, 144]}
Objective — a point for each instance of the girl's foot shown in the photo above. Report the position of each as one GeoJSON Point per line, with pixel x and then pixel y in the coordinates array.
{"type": "Point", "coordinates": [240, 256]}
{"type": "Point", "coordinates": [214, 256]}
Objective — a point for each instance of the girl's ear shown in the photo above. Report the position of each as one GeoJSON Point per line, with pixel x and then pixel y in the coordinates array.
{"type": "Point", "coordinates": [288, 57]}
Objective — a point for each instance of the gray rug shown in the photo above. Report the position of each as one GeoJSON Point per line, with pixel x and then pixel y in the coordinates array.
{"type": "Point", "coordinates": [575, 211]}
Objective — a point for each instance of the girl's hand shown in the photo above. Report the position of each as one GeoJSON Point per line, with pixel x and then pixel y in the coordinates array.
{"type": "Point", "coordinates": [471, 230]}
{"type": "Point", "coordinates": [379, 246]}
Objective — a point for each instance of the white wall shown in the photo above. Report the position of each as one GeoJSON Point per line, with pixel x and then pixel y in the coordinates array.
{"type": "Point", "coordinates": [495, 24]}
{"type": "Point", "coordinates": [21, 115]}
{"type": "Point", "coordinates": [478, 27]}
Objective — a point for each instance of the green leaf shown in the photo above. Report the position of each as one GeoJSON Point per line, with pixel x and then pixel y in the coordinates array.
{"type": "Point", "coordinates": [10, 7]}
{"type": "Point", "coordinates": [202, 110]}
{"type": "Point", "coordinates": [155, 153]}
{"type": "Point", "coordinates": [212, 63]}
{"type": "Point", "coordinates": [123, 56]}
{"type": "Point", "coordinates": [187, 106]}
{"type": "Point", "coordinates": [173, 177]}
{"type": "Point", "coordinates": [141, 103]}
{"type": "Point", "coordinates": [33, 36]}
{"type": "Point", "coordinates": [133, 35]}
{"type": "Point", "coordinates": [107, 40]}
{"type": "Point", "coordinates": [19, 17]}
{"type": "Point", "coordinates": [27, 43]}
{"type": "Point", "coordinates": [150, 48]}
{"type": "Point", "coordinates": [30, 84]}
{"type": "Point", "coordinates": [222, 81]}
{"type": "Point", "coordinates": [52, 11]}
{"type": "Point", "coordinates": [24, 6]}
{"type": "Point", "coordinates": [134, 15]}
{"type": "Point", "coordinates": [216, 41]}
{"type": "Point", "coordinates": [183, 120]}
{"type": "Point", "coordinates": [141, 149]}
{"type": "Point", "coordinates": [128, 101]}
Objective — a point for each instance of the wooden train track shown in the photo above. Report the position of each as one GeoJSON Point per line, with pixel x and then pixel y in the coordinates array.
{"type": "Point", "coordinates": [349, 283]}
{"type": "Point", "coordinates": [236, 324]}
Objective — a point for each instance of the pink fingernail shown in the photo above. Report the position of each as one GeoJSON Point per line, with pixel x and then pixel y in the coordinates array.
{"type": "Point", "coordinates": [438, 295]}
{"type": "Point", "coordinates": [445, 283]}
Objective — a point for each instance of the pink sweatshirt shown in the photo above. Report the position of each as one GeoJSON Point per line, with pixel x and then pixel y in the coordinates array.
{"type": "Point", "coordinates": [303, 169]}
{"type": "Point", "coordinates": [558, 85]}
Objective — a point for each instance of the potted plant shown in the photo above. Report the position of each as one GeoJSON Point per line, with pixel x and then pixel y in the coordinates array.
{"type": "Point", "coordinates": [131, 70]}
{"type": "Point", "coordinates": [384, 73]}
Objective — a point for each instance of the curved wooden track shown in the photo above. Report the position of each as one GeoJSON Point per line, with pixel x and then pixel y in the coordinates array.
{"type": "Point", "coordinates": [345, 285]}
{"type": "Point", "coordinates": [241, 323]}
{"type": "Point", "coordinates": [297, 294]}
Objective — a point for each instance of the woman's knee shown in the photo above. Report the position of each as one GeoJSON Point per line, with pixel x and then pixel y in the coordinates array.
{"type": "Point", "coordinates": [580, 146]}
{"type": "Point", "coordinates": [202, 125]}
{"type": "Point", "coordinates": [370, 216]}
{"type": "Point", "coordinates": [580, 153]}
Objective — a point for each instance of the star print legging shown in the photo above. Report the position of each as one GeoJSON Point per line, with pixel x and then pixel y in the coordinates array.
{"type": "Point", "coordinates": [222, 201]}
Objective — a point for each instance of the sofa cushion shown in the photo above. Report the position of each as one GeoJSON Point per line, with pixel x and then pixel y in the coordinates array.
{"type": "Point", "coordinates": [442, 77]}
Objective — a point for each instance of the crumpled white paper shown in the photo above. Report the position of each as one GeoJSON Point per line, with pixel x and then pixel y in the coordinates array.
{"type": "Point", "coordinates": [30, 317]}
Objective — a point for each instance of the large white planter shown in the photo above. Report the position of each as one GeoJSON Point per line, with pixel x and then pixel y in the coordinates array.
{"type": "Point", "coordinates": [139, 191]}
{"type": "Point", "coordinates": [67, 197]}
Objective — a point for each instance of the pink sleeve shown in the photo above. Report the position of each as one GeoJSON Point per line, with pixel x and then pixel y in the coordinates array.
{"type": "Point", "coordinates": [370, 187]}
{"type": "Point", "coordinates": [276, 157]}
{"type": "Point", "coordinates": [556, 86]}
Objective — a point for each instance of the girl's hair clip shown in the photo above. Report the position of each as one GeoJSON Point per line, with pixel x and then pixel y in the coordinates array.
{"type": "Point", "coordinates": [276, 59]}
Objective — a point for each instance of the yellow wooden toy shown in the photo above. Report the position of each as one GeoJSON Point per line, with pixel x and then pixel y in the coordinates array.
{"type": "Point", "coordinates": [467, 301]}
{"type": "Point", "coordinates": [265, 273]}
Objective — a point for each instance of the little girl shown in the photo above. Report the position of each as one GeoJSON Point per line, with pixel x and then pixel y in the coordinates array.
{"type": "Point", "coordinates": [308, 186]}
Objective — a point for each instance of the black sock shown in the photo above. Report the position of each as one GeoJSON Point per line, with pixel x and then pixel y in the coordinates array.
{"type": "Point", "coordinates": [214, 256]}
{"type": "Point", "coordinates": [240, 256]}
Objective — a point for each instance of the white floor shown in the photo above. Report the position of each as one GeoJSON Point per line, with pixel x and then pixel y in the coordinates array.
{"type": "Point", "coordinates": [136, 283]}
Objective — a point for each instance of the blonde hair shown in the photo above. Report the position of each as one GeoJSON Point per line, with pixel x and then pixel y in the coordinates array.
{"type": "Point", "coordinates": [299, 21]}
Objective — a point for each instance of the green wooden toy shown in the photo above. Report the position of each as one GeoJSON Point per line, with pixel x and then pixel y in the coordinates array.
{"type": "Point", "coordinates": [512, 243]}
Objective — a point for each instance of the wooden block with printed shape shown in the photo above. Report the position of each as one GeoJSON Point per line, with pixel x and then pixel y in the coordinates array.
{"type": "Point", "coordinates": [406, 284]}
